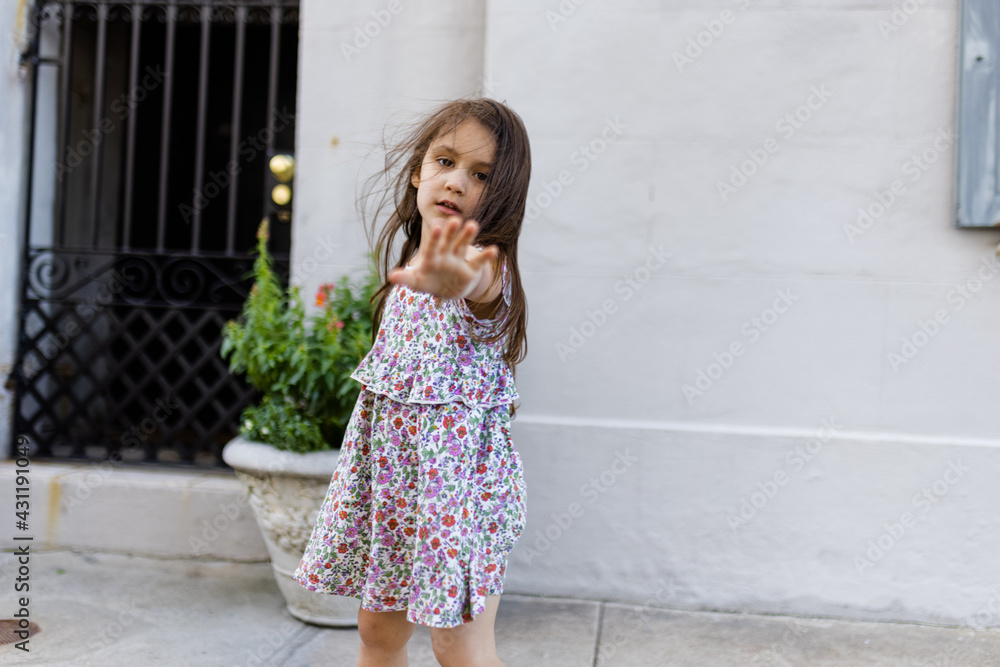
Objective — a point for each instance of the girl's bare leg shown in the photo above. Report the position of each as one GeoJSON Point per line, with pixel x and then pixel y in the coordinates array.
{"type": "Point", "coordinates": [384, 635]}
{"type": "Point", "coordinates": [471, 644]}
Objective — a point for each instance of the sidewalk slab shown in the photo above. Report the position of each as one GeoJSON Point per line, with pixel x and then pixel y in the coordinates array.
{"type": "Point", "coordinates": [633, 636]}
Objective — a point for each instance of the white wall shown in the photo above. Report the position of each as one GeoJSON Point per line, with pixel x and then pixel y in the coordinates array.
{"type": "Point", "coordinates": [661, 519]}
{"type": "Point", "coordinates": [666, 517]}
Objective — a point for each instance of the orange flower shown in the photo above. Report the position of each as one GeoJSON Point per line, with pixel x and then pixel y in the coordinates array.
{"type": "Point", "coordinates": [323, 293]}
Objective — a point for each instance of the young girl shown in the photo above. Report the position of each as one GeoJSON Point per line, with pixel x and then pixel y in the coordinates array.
{"type": "Point", "coordinates": [429, 496]}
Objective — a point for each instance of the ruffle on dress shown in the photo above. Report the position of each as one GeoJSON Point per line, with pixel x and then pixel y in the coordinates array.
{"type": "Point", "coordinates": [424, 352]}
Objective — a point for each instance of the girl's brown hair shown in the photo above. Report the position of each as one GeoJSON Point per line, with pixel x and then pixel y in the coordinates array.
{"type": "Point", "coordinates": [499, 214]}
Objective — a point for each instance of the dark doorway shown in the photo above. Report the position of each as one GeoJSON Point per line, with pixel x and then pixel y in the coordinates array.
{"type": "Point", "coordinates": [151, 128]}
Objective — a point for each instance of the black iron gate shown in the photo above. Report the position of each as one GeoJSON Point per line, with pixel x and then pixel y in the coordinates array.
{"type": "Point", "coordinates": [151, 126]}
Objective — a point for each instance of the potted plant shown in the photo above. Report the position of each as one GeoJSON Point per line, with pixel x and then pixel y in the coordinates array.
{"type": "Point", "coordinates": [288, 445]}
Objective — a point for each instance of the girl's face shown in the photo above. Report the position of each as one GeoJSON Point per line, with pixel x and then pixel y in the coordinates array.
{"type": "Point", "coordinates": [453, 174]}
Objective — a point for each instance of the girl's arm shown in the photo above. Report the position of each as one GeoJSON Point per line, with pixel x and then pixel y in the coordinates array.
{"type": "Point", "coordinates": [451, 266]}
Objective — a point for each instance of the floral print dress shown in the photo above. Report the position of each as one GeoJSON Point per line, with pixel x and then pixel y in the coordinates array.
{"type": "Point", "coordinates": [428, 497]}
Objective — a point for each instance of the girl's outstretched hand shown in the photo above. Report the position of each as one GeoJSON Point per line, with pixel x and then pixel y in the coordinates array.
{"type": "Point", "coordinates": [444, 271]}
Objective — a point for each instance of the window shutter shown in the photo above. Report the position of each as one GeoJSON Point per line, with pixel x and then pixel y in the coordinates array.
{"type": "Point", "coordinates": [978, 177]}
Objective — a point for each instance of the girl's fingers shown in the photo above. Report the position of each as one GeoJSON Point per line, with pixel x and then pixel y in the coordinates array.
{"type": "Point", "coordinates": [433, 245]}
{"type": "Point", "coordinates": [459, 240]}
{"type": "Point", "coordinates": [463, 238]}
{"type": "Point", "coordinates": [401, 277]}
{"type": "Point", "coordinates": [455, 231]}
{"type": "Point", "coordinates": [481, 259]}
{"type": "Point", "coordinates": [443, 238]}
{"type": "Point", "coordinates": [447, 242]}
{"type": "Point", "coordinates": [488, 253]}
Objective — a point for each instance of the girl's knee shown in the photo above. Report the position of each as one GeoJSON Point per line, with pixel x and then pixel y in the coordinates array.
{"type": "Point", "coordinates": [387, 630]}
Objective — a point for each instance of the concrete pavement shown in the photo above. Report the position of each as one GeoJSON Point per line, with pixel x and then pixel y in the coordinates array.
{"type": "Point", "coordinates": [110, 610]}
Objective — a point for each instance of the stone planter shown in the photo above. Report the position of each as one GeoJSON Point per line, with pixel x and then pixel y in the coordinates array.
{"type": "Point", "coordinates": [285, 490]}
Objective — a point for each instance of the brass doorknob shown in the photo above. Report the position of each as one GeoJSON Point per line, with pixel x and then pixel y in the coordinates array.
{"type": "Point", "coordinates": [283, 167]}
{"type": "Point", "coordinates": [281, 194]}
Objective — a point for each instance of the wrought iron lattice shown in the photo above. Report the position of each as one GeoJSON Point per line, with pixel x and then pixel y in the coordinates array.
{"type": "Point", "coordinates": [136, 249]}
